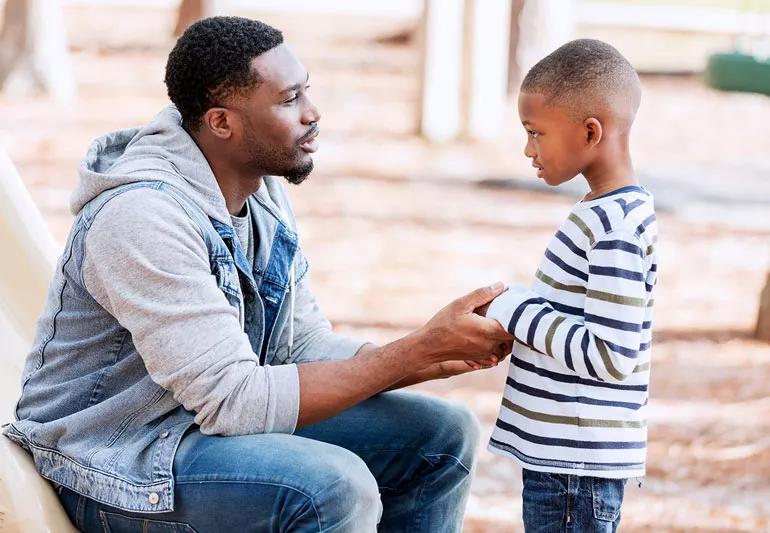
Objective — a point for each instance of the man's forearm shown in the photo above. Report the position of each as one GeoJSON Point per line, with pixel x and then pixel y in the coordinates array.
{"type": "Point", "coordinates": [414, 378]}
{"type": "Point", "coordinates": [329, 387]}
{"type": "Point", "coordinates": [455, 333]}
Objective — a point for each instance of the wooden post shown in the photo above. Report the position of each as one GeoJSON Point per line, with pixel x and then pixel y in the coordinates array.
{"type": "Point", "coordinates": [514, 72]}
{"type": "Point", "coordinates": [544, 25]}
{"type": "Point", "coordinates": [440, 110]}
{"type": "Point", "coordinates": [487, 73]}
{"type": "Point", "coordinates": [763, 321]}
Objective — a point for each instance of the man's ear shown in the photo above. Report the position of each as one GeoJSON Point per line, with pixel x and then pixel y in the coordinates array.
{"type": "Point", "coordinates": [593, 131]}
{"type": "Point", "coordinates": [219, 121]}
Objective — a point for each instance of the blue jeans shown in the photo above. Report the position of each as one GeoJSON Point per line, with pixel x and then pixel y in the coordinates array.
{"type": "Point", "coordinates": [559, 503]}
{"type": "Point", "coordinates": [400, 459]}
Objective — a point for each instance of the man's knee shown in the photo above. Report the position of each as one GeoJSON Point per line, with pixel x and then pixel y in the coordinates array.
{"type": "Point", "coordinates": [350, 497]}
{"type": "Point", "coordinates": [455, 432]}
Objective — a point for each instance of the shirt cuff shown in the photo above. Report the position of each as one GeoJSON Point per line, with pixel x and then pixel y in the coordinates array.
{"type": "Point", "coordinates": [503, 307]}
{"type": "Point", "coordinates": [283, 407]}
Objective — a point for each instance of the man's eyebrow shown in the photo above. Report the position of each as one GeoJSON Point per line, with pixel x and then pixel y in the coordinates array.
{"type": "Point", "coordinates": [296, 86]}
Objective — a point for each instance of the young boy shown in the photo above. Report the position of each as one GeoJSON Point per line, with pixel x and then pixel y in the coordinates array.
{"type": "Point", "coordinates": [573, 411]}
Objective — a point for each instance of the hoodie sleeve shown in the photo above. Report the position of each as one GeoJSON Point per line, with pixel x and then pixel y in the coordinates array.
{"type": "Point", "coordinates": [147, 264]}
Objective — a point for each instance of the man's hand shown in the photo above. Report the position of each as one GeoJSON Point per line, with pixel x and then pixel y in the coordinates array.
{"type": "Point", "coordinates": [456, 332]}
{"type": "Point", "coordinates": [482, 310]}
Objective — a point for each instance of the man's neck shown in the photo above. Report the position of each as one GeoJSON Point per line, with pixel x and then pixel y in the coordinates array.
{"type": "Point", "coordinates": [236, 188]}
{"type": "Point", "coordinates": [235, 184]}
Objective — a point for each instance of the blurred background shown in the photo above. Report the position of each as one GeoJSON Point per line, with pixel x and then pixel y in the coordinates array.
{"type": "Point", "coordinates": [421, 192]}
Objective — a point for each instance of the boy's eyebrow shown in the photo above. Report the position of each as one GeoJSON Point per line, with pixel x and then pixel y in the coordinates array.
{"type": "Point", "coordinates": [296, 86]}
{"type": "Point", "coordinates": [526, 122]}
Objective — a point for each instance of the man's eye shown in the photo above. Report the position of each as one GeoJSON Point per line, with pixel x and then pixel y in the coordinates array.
{"type": "Point", "coordinates": [292, 99]}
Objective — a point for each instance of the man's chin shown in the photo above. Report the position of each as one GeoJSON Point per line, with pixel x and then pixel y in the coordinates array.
{"type": "Point", "coordinates": [300, 173]}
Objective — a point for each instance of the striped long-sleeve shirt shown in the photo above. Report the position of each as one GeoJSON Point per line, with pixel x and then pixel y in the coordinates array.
{"type": "Point", "coordinates": [577, 388]}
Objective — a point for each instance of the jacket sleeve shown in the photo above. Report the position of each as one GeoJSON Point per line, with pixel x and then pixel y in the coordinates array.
{"type": "Point", "coordinates": [147, 264]}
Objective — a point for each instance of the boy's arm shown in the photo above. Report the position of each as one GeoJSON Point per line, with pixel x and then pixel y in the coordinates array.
{"type": "Point", "coordinates": [603, 345]}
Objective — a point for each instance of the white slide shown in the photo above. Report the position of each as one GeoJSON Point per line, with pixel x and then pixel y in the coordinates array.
{"type": "Point", "coordinates": [28, 503]}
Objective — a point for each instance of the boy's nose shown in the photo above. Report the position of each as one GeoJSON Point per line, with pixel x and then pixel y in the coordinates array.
{"type": "Point", "coordinates": [529, 151]}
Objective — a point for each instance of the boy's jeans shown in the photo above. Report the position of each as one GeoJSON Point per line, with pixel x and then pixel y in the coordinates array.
{"type": "Point", "coordinates": [398, 458]}
{"type": "Point", "coordinates": [558, 503]}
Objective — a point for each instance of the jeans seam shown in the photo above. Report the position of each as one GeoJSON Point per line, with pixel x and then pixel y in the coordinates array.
{"type": "Point", "coordinates": [454, 459]}
{"type": "Point", "coordinates": [419, 506]}
{"type": "Point", "coordinates": [80, 511]}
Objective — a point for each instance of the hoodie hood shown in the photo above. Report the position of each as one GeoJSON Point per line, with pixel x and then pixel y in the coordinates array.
{"type": "Point", "coordinates": [159, 151]}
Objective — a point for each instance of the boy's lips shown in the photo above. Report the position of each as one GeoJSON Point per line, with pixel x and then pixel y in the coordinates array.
{"type": "Point", "coordinates": [540, 170]}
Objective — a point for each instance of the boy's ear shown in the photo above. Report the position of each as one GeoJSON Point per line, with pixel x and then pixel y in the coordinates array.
{"type": "Point", "coordinates": [593, 131]}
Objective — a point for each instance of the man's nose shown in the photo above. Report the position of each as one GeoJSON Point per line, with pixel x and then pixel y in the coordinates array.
{"type": "Point", "coordinates": [311, 113]}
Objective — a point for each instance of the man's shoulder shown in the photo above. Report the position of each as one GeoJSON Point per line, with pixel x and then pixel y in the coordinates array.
{"type": "Point", "coordinates": [141, 217]}
{"type": "Point", "coordinates": [138, 205]}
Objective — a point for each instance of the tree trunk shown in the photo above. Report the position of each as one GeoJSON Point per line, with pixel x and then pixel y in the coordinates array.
{"type": "Point", "coordinates": [763, 322]}
{"type": "Point", "coordinates": [33, 50]}
{"type": "Point", "coordinates": [191, 11]}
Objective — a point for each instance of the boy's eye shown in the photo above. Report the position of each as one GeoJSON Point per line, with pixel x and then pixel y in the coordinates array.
{"type": "Point", "coordinates": [533, 134]}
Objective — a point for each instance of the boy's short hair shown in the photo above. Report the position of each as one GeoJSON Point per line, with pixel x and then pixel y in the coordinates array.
{"type": "Point", "coordinates": [586, 76]}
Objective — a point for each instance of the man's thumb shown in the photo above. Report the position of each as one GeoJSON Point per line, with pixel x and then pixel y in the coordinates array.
{"type": "Point", "coordinates": [481, 296]}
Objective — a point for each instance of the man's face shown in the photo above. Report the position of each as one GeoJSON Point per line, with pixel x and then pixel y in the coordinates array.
{"type": "Point", "coordinates": [555, 142]}
{"type": "Point", "coordinates": [279, 122]}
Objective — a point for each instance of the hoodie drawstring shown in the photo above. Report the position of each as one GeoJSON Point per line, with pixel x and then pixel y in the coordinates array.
{"type": "Point", "coordinates": [291, 307]}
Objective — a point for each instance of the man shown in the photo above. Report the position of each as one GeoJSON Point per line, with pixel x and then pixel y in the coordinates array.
{"type": "Point", "coordinates": [183, 377]}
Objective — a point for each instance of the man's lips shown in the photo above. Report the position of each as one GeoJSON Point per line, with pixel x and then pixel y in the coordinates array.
{"type": "Point", "coordinates": [309, 143]}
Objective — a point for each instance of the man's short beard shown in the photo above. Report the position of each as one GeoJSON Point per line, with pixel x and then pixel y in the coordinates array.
{"type": "Point", "coordinates": [299, 174]}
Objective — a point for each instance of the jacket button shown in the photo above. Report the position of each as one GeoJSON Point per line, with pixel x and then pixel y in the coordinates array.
{"type": "Point", "coordinates": [163, 435]}
{"type": "Point", "coordinates": [154, 498]}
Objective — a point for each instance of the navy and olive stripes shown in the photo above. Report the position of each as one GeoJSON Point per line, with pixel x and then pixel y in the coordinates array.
{"type": "Point", "coordinates": [577, 389]}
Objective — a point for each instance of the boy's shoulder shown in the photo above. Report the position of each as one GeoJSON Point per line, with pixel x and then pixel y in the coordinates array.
{"type": "Point", "coordinates": [627, 212]}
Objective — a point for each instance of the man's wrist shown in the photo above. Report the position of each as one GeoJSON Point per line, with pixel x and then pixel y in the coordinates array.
{"type": "Point", "coordinates": [418, 353]}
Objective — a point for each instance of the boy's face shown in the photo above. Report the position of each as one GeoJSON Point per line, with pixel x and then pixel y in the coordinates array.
{"type": "Point", "coordinates": [556, 143]}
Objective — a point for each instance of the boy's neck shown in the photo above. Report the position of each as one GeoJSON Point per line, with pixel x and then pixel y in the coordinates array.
{"type": "Point", "coordinates": [609, 174]}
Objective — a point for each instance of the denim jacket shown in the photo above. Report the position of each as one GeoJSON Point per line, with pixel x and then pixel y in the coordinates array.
{"type": "Point", "coordinates": [156, 321]}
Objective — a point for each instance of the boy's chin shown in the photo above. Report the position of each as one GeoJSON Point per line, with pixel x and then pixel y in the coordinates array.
{"type": "Point", "coordinates": [553, 181]}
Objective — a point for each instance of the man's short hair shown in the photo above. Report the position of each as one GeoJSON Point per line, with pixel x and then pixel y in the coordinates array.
{"type": "Point", "coordinates": [212, 61]}
{"type": "Point", "coordinates": [584, 76]}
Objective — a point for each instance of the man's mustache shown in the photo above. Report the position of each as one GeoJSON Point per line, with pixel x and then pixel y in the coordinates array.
{"type": "Point", "coordinates": [309, 135]}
